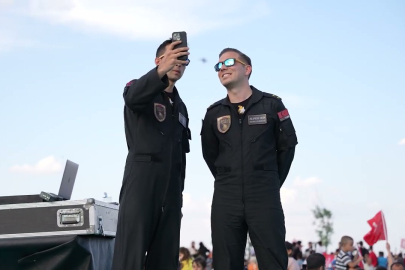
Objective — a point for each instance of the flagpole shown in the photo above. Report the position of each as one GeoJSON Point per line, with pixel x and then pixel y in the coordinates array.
{"type": "Point", "coordinates": [385, 226]}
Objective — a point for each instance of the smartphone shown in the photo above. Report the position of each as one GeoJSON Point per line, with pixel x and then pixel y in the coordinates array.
{"type": "Point", "coordinates": [183, 37]}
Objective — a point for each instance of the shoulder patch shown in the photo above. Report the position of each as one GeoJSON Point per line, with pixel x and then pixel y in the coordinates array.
{"type": "Point", "coordinates": [271, 96]}
{"type": "Point", "coordinates": [214, 105]}
{"type": "Point", "coordinates": [130, 82]}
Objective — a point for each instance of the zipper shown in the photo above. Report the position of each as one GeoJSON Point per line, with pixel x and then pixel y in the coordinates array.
{"type": "Point", "coordinates": [174, 111]}
{"type": "Point", "coordinates": [241, 145]}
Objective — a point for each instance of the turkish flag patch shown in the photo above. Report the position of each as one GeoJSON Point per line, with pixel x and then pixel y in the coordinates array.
{"type": "Point", "coordinates": [283, 115]}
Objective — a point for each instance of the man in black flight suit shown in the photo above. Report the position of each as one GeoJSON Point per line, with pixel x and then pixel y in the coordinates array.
{"type": "Point", "coordinates": [157, 133]}
{"type": "Point", "coordinates": [248, 143]}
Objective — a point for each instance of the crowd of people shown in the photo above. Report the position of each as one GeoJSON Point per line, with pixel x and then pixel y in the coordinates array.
{"type": "Point", "coordinates": [315, 257]}
{"type": "Point", "coordinates": [195, 259]}
{"type": "Point", "coordinates": [346, 256]}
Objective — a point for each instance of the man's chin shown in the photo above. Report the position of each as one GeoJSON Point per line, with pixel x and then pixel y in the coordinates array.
{"type": "Point", "coordinates": [227, 84]}
{"type": "Point", "coordinates": [174, 78]}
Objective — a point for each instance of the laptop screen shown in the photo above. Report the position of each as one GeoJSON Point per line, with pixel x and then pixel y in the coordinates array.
{"type": "Point", "coordinates": [68, 180]}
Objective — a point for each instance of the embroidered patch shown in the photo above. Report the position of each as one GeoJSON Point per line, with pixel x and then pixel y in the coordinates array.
{"type": "Point", "coordinates": [160, 112]}
{"type": "Point", "coordinates": [283, 115]}
{"type": "Point", "coordinates": [182, 120]}
{"type": "Point", "coordinates": [224, 123]}
{"type": "Point", "coordinates": [259, 119]}
{"type": "Point", "coordinates": [129, 83]}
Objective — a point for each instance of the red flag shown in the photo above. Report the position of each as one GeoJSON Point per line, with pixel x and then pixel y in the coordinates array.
{"type": "Point", "coordinates": [378, 229]}
{"type": "Point", "coordinates": [328, 259]}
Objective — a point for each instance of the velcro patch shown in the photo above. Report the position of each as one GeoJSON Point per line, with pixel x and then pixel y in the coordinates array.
{"type": "Point", "coordinates": [259, 119]}
{"type": "Point", "coordinates": [182, 120]}
{"type": "Point", "coordinates": [283, 115]}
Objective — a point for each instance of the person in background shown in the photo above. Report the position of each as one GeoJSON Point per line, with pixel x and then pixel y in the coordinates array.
{"type": "Point", "coordinates": [193, 250]}
{"type": "Point", "coordinates": [316, 261]}
{"type": "Point", "coordinates": [334, 260]}
{"type": "Point", "coordinates": [253, 264]}
{"type": "Point", "coordinates": [368, 263]}
{"type": "Point", "coordinates": [343, 260]}
{"type": "Point", "coordinates": [185, 259]}
{"type": "Point", "coordinates": [203, 251]}
{"type": "Point", "coordinates": [363, 250]}
{"type": "Point", "coordinates": [320, 248]}
{"type": "Point", "coordinates": [381, 268]}
{"type": "Point", "coordinates": [400, 259]}
{"type": "Point", "coordinates": [309, 250]}
{"type": "Point", "coordinates": [292, 263]}
{"type": "Point", "coordinates": [199, 264]}
{"type": "Point", "coordinates": [373, 257]}
{"type": "Point", "coordinates": [297, 254]}
{"type": "Point", "coordinates": [397, 266]}
{"type": "Point", "coordinates": [382, 261]}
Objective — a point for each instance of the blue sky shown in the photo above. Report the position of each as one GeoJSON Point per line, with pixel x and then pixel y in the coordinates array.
{"type": "Point", "coordinates": [338, 66]}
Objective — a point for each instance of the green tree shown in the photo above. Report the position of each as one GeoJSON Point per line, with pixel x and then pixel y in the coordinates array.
{"type": "Point", "coordinates": [323, 221]}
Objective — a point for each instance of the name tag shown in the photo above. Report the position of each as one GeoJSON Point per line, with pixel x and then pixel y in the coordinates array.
{"type": "Point", "coordinates": [183, 120]}
{"type": "Point", "coordinates": [259, 119]}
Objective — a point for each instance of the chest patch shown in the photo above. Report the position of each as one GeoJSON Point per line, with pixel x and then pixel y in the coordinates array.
{"type": "Point", "coordinates": [224, 123]}
{"type": "Point", "coordinates": [182, 120]}
{"type": "Point", "coordinates": [259, 119]}
{"type": "Point", "coordinates": [160, 112]}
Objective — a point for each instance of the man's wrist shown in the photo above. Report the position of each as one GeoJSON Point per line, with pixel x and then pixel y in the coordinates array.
{"type": "Point", "coordinates": [160, 72]}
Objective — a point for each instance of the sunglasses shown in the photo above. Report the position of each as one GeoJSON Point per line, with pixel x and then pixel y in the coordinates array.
{"type": "Point", "coordinates": [228, 63]}
{"type": "Point", "coordinates": [188, 60]}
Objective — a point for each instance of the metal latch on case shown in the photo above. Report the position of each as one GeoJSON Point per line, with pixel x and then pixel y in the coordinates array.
{"type": "Point", "coordinates": [70, 217]}
{"type": "Point", "coordinates": [73, 218]}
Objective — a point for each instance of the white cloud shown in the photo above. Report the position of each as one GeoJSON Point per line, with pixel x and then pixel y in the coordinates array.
{"type": "Point", "coordinates": [287, 195]}
{"type": "Point", "coordinates": [310, 181]}
{"type": "Point", "coordinates": [44, 166]}
{"type": "Point", "coordinates": [402, 142]}
{"type": "Point", "coordinates": [146, 19]}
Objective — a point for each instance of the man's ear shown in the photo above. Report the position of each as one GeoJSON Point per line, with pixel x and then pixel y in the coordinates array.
{"type": "Point", "coordinates": [248, 70]}
{"type": "Point", "coordinates": [157, 61]}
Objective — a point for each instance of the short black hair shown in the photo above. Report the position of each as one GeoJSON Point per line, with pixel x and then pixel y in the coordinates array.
{"type": "Point", "coordinates": [314, 261]}
{"type": "Point", "coordinates": [381, 268]}
{"type": "Point", "coordinates": [244, 57]}
{"type": "Point", "coordinates": [288, 245]}
{"type": "Point", "coordinates": [380, 253]}
{"type": "Point", "coordinates": [200, 261]}
{"type": "Point", "coordinates": [162, 47]}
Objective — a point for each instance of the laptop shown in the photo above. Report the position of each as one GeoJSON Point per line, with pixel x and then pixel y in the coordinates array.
{"type": "Point", "coordinates": [66, 186]}
{"type": "Point", "coordinates": [68, 180]}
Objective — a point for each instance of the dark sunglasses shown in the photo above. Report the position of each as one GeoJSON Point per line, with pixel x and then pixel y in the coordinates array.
{"type": "Point", "coordinates": [228, 63]}
{"type": "Point", "coordinates": [188, 60]}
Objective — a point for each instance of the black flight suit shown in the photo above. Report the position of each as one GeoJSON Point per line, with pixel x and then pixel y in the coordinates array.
{"type": "Point", "coordinates": [157, 136]}
{"type": "Point", "coordinates": [249, 159]}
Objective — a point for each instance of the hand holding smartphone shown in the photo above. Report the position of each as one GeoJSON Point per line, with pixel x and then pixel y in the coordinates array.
{"type": "Point", "coordinates": [180, 36]}
{"type": "Point", "coordinates": [175, 54]}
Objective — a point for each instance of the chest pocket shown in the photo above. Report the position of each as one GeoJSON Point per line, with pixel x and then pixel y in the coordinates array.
{"type": "Point", "coordinates": [184, 133]}
{"type": "Point", "coordinates": [260, 126]}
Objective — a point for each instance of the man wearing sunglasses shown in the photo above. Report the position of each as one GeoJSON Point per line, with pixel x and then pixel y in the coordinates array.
{"type": "Point", "coordinates": [248, 142]}
{"type": "Point", "coordinates": [157, 133]}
